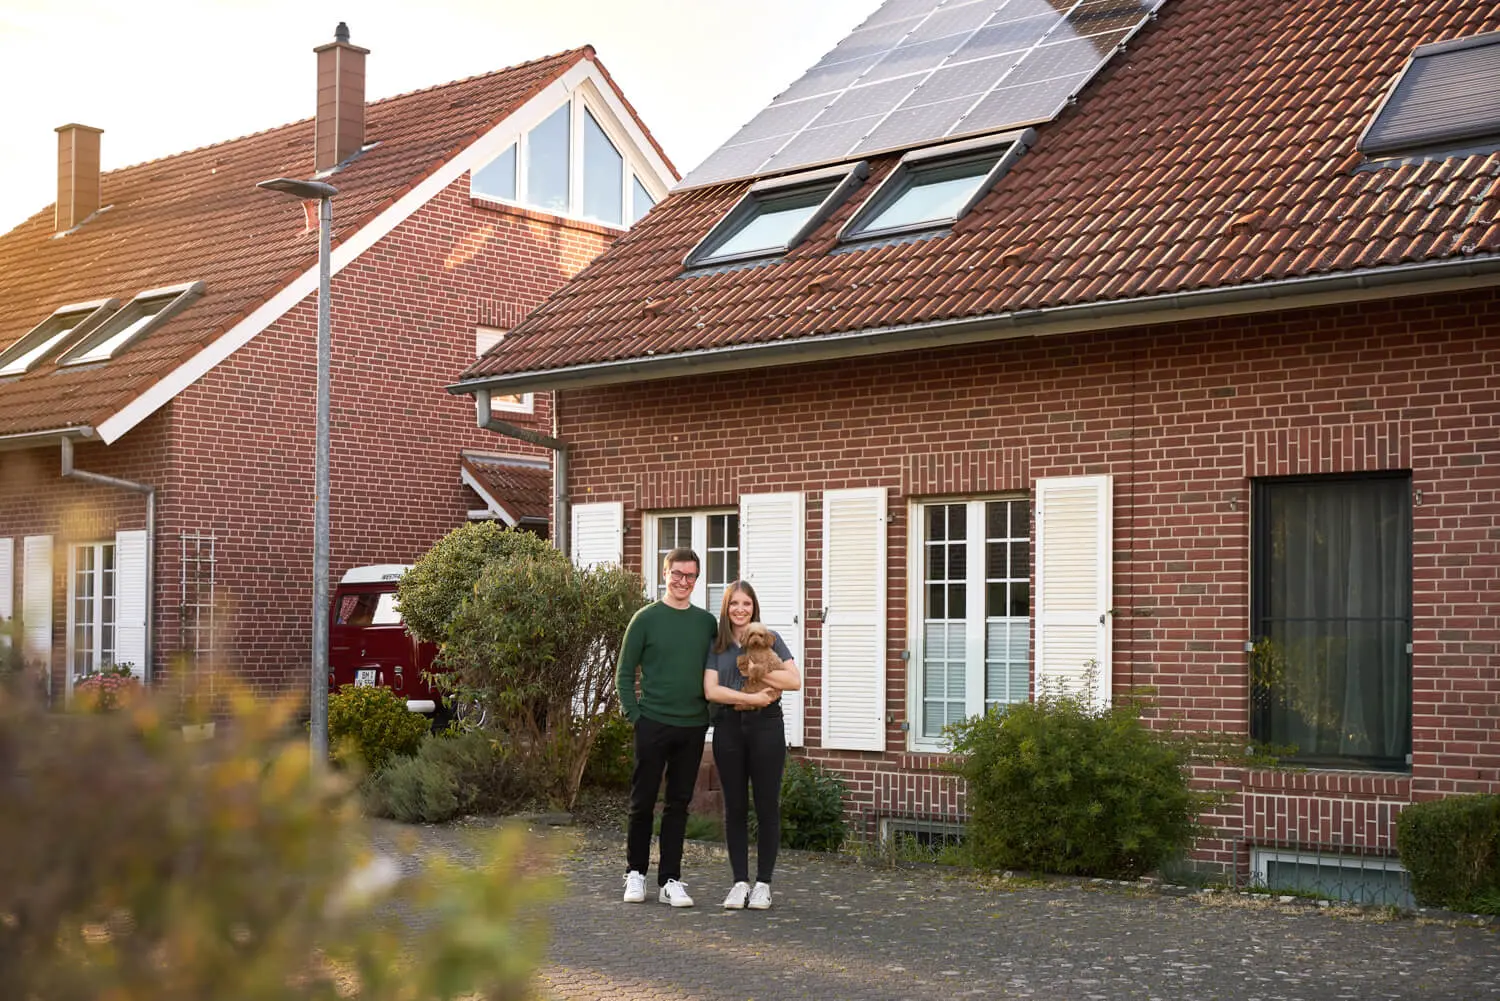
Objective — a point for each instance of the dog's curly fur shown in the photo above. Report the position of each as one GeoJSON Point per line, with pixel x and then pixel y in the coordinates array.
{"type": "Point", "coordinates": [758, 658]}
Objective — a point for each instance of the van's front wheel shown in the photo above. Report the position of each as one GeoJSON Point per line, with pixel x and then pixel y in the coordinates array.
{"type": "Point", "coordinates": [466, 712]}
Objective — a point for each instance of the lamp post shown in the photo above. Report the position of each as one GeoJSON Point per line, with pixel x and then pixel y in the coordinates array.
{"type": "Point", "coordinates": [323, 194]}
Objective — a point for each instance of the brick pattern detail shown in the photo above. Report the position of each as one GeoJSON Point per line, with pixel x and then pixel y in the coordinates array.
{"type": "Point", "coordinates": [1323, 448]}
{"type": "Point", "coordinates": [990, 471]}
{"type": "Point", "coordinates": [668, 489]}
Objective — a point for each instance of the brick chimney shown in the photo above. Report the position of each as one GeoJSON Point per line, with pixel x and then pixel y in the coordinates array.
{"type": "Point", "coordinates": [77, 174]}
{"type": "Point", "coordinates": [340, 130]}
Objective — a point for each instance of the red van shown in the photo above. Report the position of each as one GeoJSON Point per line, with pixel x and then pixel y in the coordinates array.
{"type": "Point", "coordinates": [368, 644]}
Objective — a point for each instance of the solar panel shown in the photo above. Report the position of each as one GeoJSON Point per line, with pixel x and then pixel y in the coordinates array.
{"type": "Point", "coordinates": [919, 71]}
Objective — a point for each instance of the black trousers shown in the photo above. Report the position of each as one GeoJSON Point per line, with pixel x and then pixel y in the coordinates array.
{"type": "Point", "coordinates": [750, 752]}
{"type": "Point", "coordinates": [677, 751]}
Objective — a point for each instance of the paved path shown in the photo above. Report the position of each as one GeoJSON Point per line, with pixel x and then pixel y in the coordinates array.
{"type": "Point", "coordinates": [842, 930]}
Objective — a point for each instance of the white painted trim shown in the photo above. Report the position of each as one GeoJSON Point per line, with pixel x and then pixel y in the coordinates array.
{"type": "Point", "coordinates": [496, 509]}
{"type": "Point", "coordinates": [476, 154]}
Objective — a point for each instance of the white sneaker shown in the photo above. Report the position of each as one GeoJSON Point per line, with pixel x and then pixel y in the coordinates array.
{"type": "Point", "coordinates": [738, 894]}
{"type": "Point", "coordinates": [635, 887]}
{"type": "Point", "coordinates": [674, 893]}
{"type": "Point", "coordinates": [760, 897]}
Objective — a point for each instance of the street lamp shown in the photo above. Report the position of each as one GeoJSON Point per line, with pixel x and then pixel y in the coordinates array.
{"type": "Point", "coordinates": [323, 193]}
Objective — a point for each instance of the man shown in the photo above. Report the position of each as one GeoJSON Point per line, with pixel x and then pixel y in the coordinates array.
{"type": "Point", "coordinates": [666, 645]}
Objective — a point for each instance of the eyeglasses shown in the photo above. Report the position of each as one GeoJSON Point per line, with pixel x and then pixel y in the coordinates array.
{"type": "Point", "coordinates": [678, 577]}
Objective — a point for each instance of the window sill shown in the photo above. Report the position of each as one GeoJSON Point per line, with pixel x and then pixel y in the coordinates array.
{"type": "Point", "coordinates": [1393, 785]}
{"type": "Point", "coordinates": [926, 761]}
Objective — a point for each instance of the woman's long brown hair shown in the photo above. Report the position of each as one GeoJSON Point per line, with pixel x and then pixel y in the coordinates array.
{"type": "Point", "coordinates": [725, 639]}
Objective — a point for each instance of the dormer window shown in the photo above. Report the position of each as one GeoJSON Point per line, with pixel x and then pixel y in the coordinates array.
{"type": "Point", "coordinates": [933, 188]}
{"type": "Point", "coordinates": [141, 315]}
{"type": "Point", "coordinates": [569, 164]}
{"type": "Point", "coordinates": [1445, 102]}
{"type": "Point", "coordinates": [42, 339]}
{"type": "Point", "coordinates": [777, 214]}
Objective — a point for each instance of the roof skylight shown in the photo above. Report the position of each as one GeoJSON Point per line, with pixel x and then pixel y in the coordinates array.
{"type": "Point", "coordinates": [935, 187]}
{"type": "Point", "coordinates": [143, 313]}
{"type": "Point", "coordinates": [777, 214]}
{"type": "Point", "coordinates": [1444, 100]}
{"type": "Point", "coordinates": [40, 341]}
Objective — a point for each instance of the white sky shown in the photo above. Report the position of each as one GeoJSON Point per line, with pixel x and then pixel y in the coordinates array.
{"type": "Point", "coordinates": [164, 76]}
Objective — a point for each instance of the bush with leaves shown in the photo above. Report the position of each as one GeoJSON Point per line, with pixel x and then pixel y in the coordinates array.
{"type": "Point", "coordinates": [1451, 847]}
{"type": "Point", "coordinates": [1062, 785]}
{"type": "Point", "coordinates": [612, 756]}
{"type": "Point", "coordinates": [135, 865]}
{"type": "Point", "coordinates": [369, 726]}
{"type": "Point", "coordinates": [453, 775]}
{"type": "Point", "coordinates": [530, 635]}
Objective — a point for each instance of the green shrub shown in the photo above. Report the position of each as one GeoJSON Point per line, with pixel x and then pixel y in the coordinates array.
{"type": "Point", "coordinates": [371, 725]}
{"type": "Point", "coordinates": [135, 865]}
{"type": "Point", "coordinates": [612, 757]}
{"type": "Point", "coordinates": [1059, 785]}
{"type": "Point", "coordinates": [432, 591]}
{"type": "Point", "coordinates": [812, 807]}
{"type": "Point", "coordinates": [1451, 847]}
{"type": "Point", "coordinates": [453, 775]}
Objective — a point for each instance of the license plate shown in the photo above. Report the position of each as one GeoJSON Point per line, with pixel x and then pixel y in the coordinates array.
{"type": "Point", "coordinates": [364, 677]}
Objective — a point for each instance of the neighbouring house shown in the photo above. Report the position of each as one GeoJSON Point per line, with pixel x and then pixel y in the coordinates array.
{"type": "Point", "coordinates": [157, 357]}
{"type": "Point", "coordinates": [1019, 337]}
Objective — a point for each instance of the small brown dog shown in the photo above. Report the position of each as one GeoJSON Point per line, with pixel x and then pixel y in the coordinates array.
{"type": "Point", "coordinates": [757, 660]}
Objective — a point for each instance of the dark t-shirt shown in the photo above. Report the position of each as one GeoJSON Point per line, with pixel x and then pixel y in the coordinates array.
{"type": "Point", "coordinates": [727, 664]}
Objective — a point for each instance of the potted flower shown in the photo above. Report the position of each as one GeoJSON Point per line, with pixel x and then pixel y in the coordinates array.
{"type": "Point", "coordinates": [107, 689]}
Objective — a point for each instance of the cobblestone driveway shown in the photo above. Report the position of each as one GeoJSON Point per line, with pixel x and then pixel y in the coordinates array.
{"type": "Point", "coordinates": [841, 930]}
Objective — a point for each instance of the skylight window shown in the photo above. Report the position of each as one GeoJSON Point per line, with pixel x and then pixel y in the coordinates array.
{"type": "Point", "coordinates": [777, 214]}
{"type": "Point", "coordinates": [42, 339]}
{"type": "Point", "coordinates": [142, 314]}
{"type": "Point", "coordinates": [934, 188]}
{"type": "Point", "coordinates": [1443, 102]}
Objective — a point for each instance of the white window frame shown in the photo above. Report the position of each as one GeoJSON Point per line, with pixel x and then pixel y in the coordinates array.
{"type": "Point", "coordinates": [976, 621]}
{"type": "Point", "coordinates": [174, 299]}
{"type": "Point", "coordinates": [45, 338]}
{"type": "Point", "coordinates": [486, 338]}
{"type": "Point", "coordinates": [652, 551]}
{"type": "Point", "coordinates": [586, 97]}
{"type": "Point", "coordinates": [835, 184]}
{"type": "Point", "coordinates": [94, 655]}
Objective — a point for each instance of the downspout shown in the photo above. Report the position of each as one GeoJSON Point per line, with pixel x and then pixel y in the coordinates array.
{"type": "Point", "coordinates": [489, 422]}
{"type": "Point", "coordinates": [141, 488]}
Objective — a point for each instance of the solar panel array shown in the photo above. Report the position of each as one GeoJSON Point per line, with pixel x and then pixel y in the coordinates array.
{"type": "Point", "coordinates": [917, 71]}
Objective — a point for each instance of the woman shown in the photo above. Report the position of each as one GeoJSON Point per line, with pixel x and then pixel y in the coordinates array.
{"type": "Point", "coordinates": [749, 746]}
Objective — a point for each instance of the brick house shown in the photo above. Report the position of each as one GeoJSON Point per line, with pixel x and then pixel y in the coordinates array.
{"type": "Point", "coordinates": [157, 357]}
{"type": "Point", "coordinates": [1185, 365]}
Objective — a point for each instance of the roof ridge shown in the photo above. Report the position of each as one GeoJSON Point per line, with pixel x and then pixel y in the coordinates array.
{"type": "Point", "coordinates": [583, 50]}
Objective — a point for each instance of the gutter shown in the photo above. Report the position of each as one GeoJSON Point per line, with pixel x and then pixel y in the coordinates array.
{"type": "Point", "coordinates": [33, 439]}
{"type": "Point", "coordinates": [99, 479]}
{"type": "Point", "coordinates": [489, 422]}
{"type": "Point", "coordinates": [1306, 291]}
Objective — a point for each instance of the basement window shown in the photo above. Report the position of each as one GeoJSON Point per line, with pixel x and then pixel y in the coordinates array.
{"type": "Point", "coordinates": [1442, 103]}
{"type": "Point", "coordinates": [935, 187]}
{"type": "Point", "coordinates": [40, 341]}
{"type": "Point", "coordinates": [777, 214]}
{"type": "Point", "coordinates": [141, 315]}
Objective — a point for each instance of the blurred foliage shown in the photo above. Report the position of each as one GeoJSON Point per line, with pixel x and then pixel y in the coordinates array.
{"type": "Point", "coordinates": [369, 726]}
{"type": "Point", "coordinates": [137, 865]}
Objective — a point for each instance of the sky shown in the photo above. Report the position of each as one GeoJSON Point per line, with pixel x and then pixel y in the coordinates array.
{"type": "Point", "coordinates": [164, 76]}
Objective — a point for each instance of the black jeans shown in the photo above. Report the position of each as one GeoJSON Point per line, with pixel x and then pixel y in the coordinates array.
{"type": "Point", "coordinates": [677, 750]}
{"type": "Point", "coordinates": [750, 751]}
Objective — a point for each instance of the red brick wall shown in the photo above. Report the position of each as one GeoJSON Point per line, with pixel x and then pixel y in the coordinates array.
{"type": "Point", "coordinates": [1182, 416]}
{"type": "Point", "coordinates": [233, 454]}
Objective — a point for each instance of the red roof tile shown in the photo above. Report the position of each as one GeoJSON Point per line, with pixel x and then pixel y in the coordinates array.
{"type": "Point", "coordinates": [522, 486]}
{"type": "Point", "coordinates": [197, 216]}
{"type": "Point", "coordinates": [1218, 151]}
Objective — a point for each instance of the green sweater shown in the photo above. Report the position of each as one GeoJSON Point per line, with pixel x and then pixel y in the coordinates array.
{"type": "Point", "coordinates": [668, 647]}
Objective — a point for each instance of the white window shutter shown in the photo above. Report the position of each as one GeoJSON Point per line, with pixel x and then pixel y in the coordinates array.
{"type": "Point", "coordinates": [7, 585]}
{"type": "Point", "coordinates": [131, 601]}
{"type": "Point", "coordinates": [36, 599]}
{"type": "Point", "coordinates": [854, 582]}
{"type": "Point", "coordinates": [598, 533]}
{"type": "Point", "coordinates": [1073, 613]}
{"type": "Point", "coordinates": [773, 543]}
